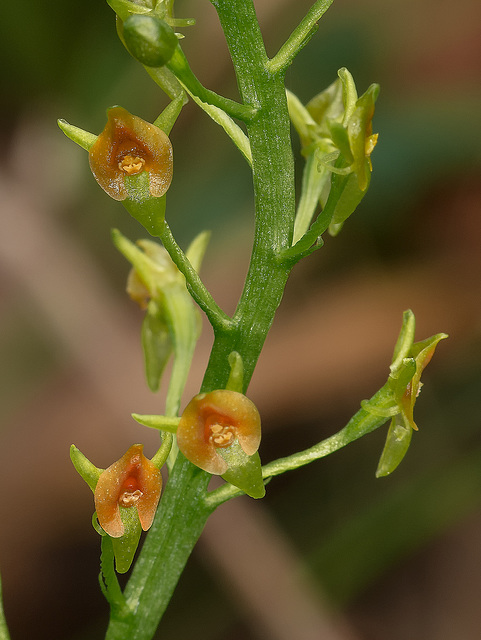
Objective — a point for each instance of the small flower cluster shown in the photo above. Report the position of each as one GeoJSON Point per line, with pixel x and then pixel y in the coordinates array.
{"type": "Point", "coordinates": [335, 130]}
{"type": "Point", "coordinates": [219, 432]}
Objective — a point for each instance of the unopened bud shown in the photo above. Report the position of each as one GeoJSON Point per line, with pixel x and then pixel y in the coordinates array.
{"type": "Point", "coordinates": [150, 40]}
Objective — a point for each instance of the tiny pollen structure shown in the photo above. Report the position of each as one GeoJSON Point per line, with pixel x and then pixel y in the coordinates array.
{"type": "Point", "coordinates": [221, 435]}
{"type": "Point", "coordinates": [132, 164]}
{"type": "Point", "coordinates": [129, 498]}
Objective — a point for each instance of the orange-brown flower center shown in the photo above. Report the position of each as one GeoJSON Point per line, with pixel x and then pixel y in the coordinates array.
{"type": "Point", "coordinates": [221, 435]}
{"type": "Point", "coordinates": [128, 499]}
{"type": "Point", "coordinates": [132, 165]}
{"type": "Point", "coordinates": [130, 492]}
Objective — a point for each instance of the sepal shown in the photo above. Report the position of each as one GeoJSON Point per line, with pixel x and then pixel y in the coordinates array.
{"type": "Point", "coordinates": [156, 345]}
{"type": "Point", "coordinates": [244, 472]}
{"type": "Point", "coordinates": [86, 469]}
{"type": "Point", "coordinates": [126, 546]}
{"type": "Point", "coordinates": [344, 198]}
{"type": "Point", "coordinates": [162, 423]}
{"type": "Point", "coordinates": [126, 496]}
{"type": "Point", "coordinates": [396, 446]}
{"type": "Point", "coordinates": [132, 159]}
{"type": "Point", "coordinates": [83, 138]}
{"type": "Point", "coordinates": [220, 432]}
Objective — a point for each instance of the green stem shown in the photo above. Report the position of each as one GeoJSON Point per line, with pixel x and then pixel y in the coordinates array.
{"type": "Point", "coordinates": [109, 582]}
{"type": "Point", "coordinates": [198, 290]}
{"type": "Point", "coordinates": [183, 511]}
{"type": "Point", "coordinates": [299, 37]}
{"type": "Point", "coordinates": [4, 634]}
{"type": "Point", "coordinates": [178, 523]}
{"type": "Point", "coordinates": [180, 68]}
{"type": "Point", "coordinates": [273, 178]}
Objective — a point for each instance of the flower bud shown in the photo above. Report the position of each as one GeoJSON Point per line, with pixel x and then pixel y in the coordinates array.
{"type": "Point", "coordinates": [150, 40]}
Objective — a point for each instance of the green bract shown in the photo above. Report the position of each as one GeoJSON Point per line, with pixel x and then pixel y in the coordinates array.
{"type": "Point", "coordinates": [244, 471]}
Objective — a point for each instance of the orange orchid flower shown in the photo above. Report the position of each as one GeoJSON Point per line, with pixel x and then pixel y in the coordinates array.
{"type": "Point", "coordinates": [132, 481]}
{"type": "Point", "coordinates": [213, 421]}
{"type": "Point", "coordinates": [127, 146]}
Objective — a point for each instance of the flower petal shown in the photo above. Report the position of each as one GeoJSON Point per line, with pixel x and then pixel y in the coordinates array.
{"type": "Point", "coordinates": [192, 441]}
{"type": "Point", "coordinates": [150, 481]}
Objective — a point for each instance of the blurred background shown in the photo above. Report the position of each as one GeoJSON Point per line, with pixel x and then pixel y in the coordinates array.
{"type": "Point", "coordinates": [331, 553]}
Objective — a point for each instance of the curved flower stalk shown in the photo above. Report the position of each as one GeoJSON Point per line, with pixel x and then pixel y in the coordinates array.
{"type": "Point", "coordinates": [147, 35]}
{"type": "Point", "coordinates": [394, 400]}
{"type": "Point", "coordinates": [126, 496]}
{"type": "Point", "coordinates": [212, 421]}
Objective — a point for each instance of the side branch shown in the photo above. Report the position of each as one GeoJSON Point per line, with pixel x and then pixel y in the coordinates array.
{"type": "Point", "coordinates": [217, 317]}
{"type": "Point", "coordinates": [362, 423]}
{"type": "Point", "coordinates": [299, 37]}
{"type": "Point", "coordinates": [180, 68]}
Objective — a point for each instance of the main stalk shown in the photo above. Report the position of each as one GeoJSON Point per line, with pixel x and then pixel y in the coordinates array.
{"type": "Point", "coordinates": [182, 511]}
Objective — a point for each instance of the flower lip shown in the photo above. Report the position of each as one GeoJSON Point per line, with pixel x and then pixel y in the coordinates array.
{"type": "Point", "coordinates": [131, 481]}
{"type": "Point", "coordinates": [127, 146]}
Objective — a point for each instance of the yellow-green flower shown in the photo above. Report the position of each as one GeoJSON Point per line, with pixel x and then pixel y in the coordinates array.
{"type": "Point", "coordinates": [409, 361]}
{"type": "Point", "coordinates": [335, 129]}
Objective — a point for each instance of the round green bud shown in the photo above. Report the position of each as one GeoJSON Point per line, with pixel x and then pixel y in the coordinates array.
{"type": "Point", "coordinates": [150, 40]}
